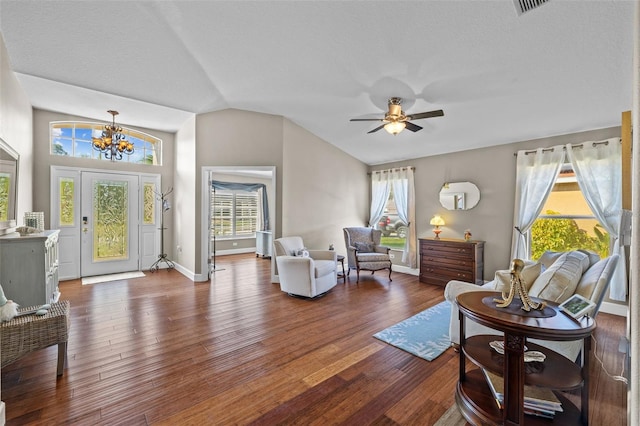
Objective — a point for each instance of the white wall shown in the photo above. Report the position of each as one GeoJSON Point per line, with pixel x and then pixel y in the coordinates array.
{"type": "Point", "coordinates": [319, 189]}
{"type": "Point", "coordinates": [493, 170]}
{"type": "Point", "coordinates": [323, 190]}
{"type": "Point", "coordinates": [237, 138]}
{"type": "Point", "coordinates": [16, 130]}
{"type": "Point", "coordinates": [43, 160]}
{"type": "Point", "coordinates": [185, 199]}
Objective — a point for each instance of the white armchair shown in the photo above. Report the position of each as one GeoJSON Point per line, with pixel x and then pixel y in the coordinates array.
{"type": "Point", "coordinates": [308, 276]}
{"type": "Point", "coordinates": [589, 280]}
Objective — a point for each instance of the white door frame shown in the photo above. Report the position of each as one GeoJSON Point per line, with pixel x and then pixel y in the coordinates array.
{"type": "Point", "coordinates": [205, 223]}
{"type": "Point", "coordinates": [73, 271]}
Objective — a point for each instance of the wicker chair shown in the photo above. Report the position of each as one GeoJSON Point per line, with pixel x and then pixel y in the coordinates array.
{"type": "Point", "coordinates": [364, 251]}
{"type": "Point", "coordinates": [28, 333]}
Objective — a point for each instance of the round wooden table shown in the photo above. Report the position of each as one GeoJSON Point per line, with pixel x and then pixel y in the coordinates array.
{"type": "Point", "coordinates": [473, 395]}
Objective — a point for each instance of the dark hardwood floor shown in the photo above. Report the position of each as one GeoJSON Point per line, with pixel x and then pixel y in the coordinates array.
{"type": "Point", "coordinates": [163, 350]}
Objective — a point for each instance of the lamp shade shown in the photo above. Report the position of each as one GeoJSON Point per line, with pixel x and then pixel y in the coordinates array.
{"type": "Point", "coordinates": [395, 127]}
{"type": "Point", "coordinates": [437, 221]}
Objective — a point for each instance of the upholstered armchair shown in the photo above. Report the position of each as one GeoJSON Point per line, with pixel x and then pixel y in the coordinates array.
{"type": "Point", "coordinates": [364, 252]}
{"type": "Point", "coordinates": [302, 272]}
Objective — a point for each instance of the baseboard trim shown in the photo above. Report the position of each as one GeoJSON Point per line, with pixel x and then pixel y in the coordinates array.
{"type": "Point", "coordinates": [614, 309]}
{"type": "Point", "coordinates": [405, 270]}
{"type": "Point", "coordinates": [235, 251]}
{"type": "Point", "coordinates": [191, 275]}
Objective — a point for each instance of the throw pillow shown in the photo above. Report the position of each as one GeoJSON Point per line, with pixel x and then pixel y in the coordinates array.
{"type": "Point", "coordinates": [365, 247]}
{"type": "Point", "coordinates": [594, 280]}
{"type": "Point", "coordinates": [559, 281]}
{"type": "Point", "coordinates": [593, 257]}
{"type": "Point", "coordinates": [549, 257]}
{"type": "Point", "coordinates": [300, 253]}
{"type": "Point", "coordinates": [529, 274]}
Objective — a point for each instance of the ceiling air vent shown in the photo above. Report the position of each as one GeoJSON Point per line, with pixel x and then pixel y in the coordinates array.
{"type": "Point", "coordinates": [523, 6]}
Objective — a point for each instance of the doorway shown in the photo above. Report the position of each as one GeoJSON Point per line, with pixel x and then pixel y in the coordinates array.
{"type": "Point", "coordinates": [109, 238]}
{"type": "Point", "coordinates": [239, 175]}
{"type": "Point", "coordinates": [108, 222]}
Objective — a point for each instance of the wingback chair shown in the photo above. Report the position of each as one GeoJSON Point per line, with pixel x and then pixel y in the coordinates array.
{"type": "Point", "coordinates": [364, 252]}
{"type": "Point", "coordinates": [306, 273]}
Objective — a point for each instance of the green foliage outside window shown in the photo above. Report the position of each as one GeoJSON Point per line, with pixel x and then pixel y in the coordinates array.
{"type": "Point", "coordinates": [564, 234]}
{"type": "Point", "coordinates": [5, 184]}
{"type": "Point", "coordinates": [394, 243]}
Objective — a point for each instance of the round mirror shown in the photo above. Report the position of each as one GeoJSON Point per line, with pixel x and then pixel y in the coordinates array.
{"type": "Point", "coordinates": [459, 195]}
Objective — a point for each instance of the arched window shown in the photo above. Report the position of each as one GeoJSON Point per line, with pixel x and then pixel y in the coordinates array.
{"type": "Point", "coordinates": [74, 139]}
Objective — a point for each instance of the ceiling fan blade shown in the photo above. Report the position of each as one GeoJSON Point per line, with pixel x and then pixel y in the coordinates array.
{"type": "Point", "coordinates": [366, 119]}
{"type": "Point", "coordinates": [376, 129]}
{"type": "Point", "coordinates": [429, 114]}
{"type": "Point", "coordinates": [412, 127]}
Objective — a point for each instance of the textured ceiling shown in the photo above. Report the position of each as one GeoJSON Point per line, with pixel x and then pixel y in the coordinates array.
{"type": "Point", "coordinates": [499, 77]}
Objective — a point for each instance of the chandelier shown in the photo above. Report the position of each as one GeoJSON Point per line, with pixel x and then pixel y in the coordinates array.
{"type": "Point", "coordinates": [112, 143]}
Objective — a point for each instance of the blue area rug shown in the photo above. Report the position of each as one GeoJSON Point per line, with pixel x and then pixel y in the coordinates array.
{"type": "Point", "coordinates": [425, 334]}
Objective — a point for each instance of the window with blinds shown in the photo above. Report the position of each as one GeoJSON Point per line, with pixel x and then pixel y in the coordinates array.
{"type": "Point", "coordinates": [234, 213]}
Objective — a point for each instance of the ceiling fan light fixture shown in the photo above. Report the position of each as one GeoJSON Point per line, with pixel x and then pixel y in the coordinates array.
{"type": "Point", "coordinates": [395, 127]}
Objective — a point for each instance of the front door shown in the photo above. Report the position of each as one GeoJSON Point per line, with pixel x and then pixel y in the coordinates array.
{"type": "Point", "coordinates": [109, 224]}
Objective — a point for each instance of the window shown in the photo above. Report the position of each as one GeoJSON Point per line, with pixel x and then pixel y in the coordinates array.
{"type": "Point", "coordinates": [74, 139]}
{"type": "Point", "coordinates": [235, 213]}
{"type": "Point", "coordinates": [566, 221]}
{"type": "Point", "coordinates": [394, 230]}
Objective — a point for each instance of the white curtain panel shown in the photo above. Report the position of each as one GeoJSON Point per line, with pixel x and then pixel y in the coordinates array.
{"type": "Point", "coordinates": [380, 188]}
{"type": "Point", "coordinates": [404, 196]}
{"type": "Point", "coordinates": [535, 175]}
{"type": "Point", "coordinates": [599, 174]}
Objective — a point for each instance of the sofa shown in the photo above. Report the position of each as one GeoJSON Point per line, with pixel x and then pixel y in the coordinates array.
{"type": "Point", "coordinates": [556, 276]}
{"type": "Point", "coordinates": [302, 272]}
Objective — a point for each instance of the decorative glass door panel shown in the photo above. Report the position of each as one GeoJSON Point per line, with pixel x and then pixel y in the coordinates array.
{"type": "Point", "coordinates": [109, 223]}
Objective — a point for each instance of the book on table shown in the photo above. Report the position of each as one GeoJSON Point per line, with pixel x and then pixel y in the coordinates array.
{"type": "Point", "coordinates": [538, 401]}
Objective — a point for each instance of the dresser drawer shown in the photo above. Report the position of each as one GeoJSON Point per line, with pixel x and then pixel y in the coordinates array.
{"type": "Point", "coordinates": [448, 262]}
{"type": "Point", "coordinates": [451, 274]}
{"type": "Point", "coordinates": [457, 250]}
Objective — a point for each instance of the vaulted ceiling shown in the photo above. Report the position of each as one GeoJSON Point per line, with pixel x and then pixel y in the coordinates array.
{"type": "Point", "coordinates": [500, 77]}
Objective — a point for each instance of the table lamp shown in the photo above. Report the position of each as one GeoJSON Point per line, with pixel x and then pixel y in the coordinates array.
{"type": "Point", "coordinates": [437, 222]}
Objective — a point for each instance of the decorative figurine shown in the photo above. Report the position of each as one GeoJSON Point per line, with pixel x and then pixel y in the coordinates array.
{"type": "Point", "coordinates": [467, 234]}
{"type": "Point", "coordinates": [517, 284]}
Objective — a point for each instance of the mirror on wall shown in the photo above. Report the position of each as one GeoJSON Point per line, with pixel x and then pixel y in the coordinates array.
{"type": "Point", "coordinates": [459, 195]}
{"type": "Point", "coordinates": [8, 187]}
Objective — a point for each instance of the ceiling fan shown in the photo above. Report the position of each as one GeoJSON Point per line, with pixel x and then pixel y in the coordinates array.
{"type": "Point", "coordinates": [396, 120]}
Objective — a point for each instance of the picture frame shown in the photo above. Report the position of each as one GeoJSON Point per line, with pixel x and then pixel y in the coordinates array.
{"type": "Point", "coordinates": [577, 306]}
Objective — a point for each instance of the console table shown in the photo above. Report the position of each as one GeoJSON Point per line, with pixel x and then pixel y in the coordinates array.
{"type": "Point", "coordinates": [473, 396]}
{"type": "Point", "coordinates": [29, 267]}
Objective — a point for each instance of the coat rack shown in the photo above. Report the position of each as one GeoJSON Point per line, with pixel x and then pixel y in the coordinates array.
{"type": "Point", "coordinates": [163, 258]}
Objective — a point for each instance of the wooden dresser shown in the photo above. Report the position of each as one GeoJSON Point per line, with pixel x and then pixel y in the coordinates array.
{"type": "Point", "coordinates": [443, 260]}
